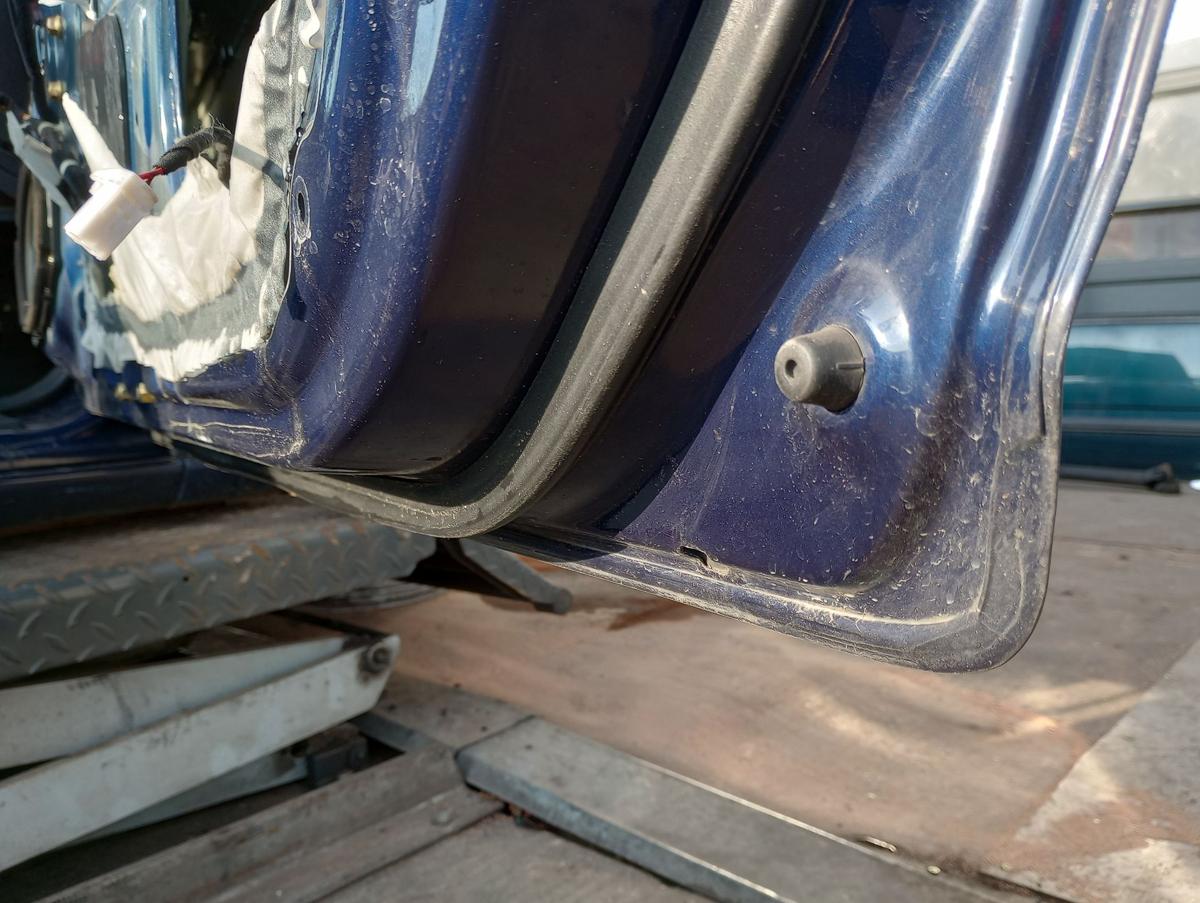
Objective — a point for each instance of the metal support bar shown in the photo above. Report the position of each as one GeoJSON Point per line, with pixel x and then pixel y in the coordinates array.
{"type": "Point", "coordinates": [314, 760]}
{"type": "Point", "coordinates": [273, 770]}
{"type": "Point", "coordinates": [63, 717]}
{"type": "Point", "coordinates": [414, 713]}
{"type": "Point", "coordinates": [54, 804]}
{"type": "Point", "coordinates": [477, 568]}
{"type": "Point", "coordinates": [696, 836]}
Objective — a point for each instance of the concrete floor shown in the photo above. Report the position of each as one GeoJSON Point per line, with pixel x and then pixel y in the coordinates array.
{"type": "Point", "coordinates": [957, 770]}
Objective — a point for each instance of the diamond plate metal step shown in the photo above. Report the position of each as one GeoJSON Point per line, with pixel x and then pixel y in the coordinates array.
{"type": "Point", "coordinates": [79, 594]}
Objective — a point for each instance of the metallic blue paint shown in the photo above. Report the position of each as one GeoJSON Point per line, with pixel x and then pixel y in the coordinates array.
{"type": "Point", "coordinates": [150, 35]}
{"type": "Point", "coordinates": [451, 194]}
{"type": "Point", "coordinates": [936, 180]}
{"type": "Point", "coordinates": [59, 464]}
{"type": "Point", "coordinates": [937, 184]}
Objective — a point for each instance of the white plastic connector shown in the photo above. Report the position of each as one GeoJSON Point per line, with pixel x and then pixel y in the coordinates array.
{"type": "Point", "coordinates": [120, 200]}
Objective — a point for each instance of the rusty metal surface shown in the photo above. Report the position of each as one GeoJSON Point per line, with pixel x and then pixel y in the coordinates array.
{"type": "Point", "coordinates": [414, 713]}
{"type": "Point", "coordinates": [710, 842]}
{"type": "Point", "coordinates": [498, 861]}
{"type": "Point", "coordinates": [1124, 824]}
{"type": "Point", "coordinates": [946, 768]}
{"type": "Point", "coordinates": [411, 828]}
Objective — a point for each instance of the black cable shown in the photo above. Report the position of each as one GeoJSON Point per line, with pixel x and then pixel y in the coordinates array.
{"type": "Point", "coordinates": [216, 138]}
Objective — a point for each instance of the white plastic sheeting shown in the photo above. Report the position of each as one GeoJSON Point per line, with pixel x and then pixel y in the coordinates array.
{"type": "Point", "coordinates": [201, 278]}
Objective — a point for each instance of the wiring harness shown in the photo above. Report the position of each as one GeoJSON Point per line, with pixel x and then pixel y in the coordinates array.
{"type": "Point", "coordinates": [120, 199]}
{"type": "Point", "coordinates": [215, 138]}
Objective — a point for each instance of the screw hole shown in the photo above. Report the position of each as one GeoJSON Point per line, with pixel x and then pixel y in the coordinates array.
{"type": "Point", "coordinates": [301, 207]}
{"type": "Point", "coordinates": [789, 368]}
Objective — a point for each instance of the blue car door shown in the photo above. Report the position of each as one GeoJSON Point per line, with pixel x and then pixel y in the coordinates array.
{"type": "Point", "coordinates": [760, 306]}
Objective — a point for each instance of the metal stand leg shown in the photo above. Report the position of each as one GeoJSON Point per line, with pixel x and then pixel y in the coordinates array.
{"type": "Point", "coordinates": [146, 735]}
{"type": "Point", "coordinates": [477, 568]}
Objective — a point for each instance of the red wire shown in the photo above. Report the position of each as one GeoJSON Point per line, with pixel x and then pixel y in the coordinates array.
{"type": "Point", "coordinates": [150, 174]}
